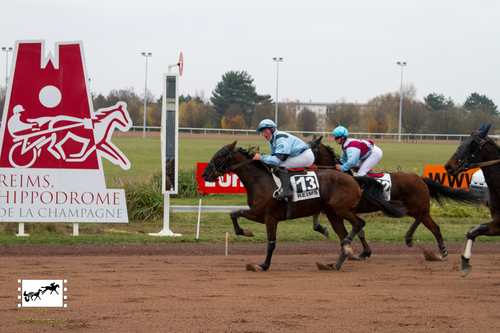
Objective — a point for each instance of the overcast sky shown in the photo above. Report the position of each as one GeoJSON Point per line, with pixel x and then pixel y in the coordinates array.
{"type": "Point", "coordinates": [332, 50]}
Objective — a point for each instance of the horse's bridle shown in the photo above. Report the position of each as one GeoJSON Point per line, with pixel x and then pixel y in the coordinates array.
{"type": "Point", "coordinates": [474, 144]}
{"type": "Point", "coordinates": [220, 170]}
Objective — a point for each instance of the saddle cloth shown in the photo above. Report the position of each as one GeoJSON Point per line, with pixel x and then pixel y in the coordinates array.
{"type": "Point", "coordinates": [385, 180]}
{"type": "Point", "coordinates": [304, 184]}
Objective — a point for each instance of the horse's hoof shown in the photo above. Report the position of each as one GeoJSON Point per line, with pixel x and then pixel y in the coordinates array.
{"type": "Point", "coordinates": [409, 242]}
{"type": "Point", "coordinates": [444, 254]}
{"type": "Point", "coordinates": [322, 267]}
{"type": "Point", "coordinates": [326, 232]}
{"type": "Point", "coordinates": [248, 233]}
{"type": "Point", "coordinates": [466, 268]}
{"type": "Point", "coordinates": [361, 257]}
{"type": "Point", "coordinates": [254, 268]}
{"type": "Point", "coordinates": [348, 252]}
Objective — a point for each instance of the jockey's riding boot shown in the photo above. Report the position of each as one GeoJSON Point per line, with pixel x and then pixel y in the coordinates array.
{"type": "Point", "coordinates": [286, 191]}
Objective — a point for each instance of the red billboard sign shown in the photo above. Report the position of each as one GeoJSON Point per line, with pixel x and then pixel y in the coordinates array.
{"type": "Point", "coordinates": [229, 183]}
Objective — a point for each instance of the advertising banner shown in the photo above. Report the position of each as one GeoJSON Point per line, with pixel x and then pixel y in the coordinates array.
{"type": "Point", "coordinates": [229, 183]}
{"type": "Point", "coordinates": [52, 141]}
{"type": "Point", "coordinates": [438, 173]}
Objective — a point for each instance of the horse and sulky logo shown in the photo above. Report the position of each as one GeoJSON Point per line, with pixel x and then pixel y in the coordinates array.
{"type": "Point", "coordinates": [52, 141]}
{"type": "Point", "coordinates": [42, 293]}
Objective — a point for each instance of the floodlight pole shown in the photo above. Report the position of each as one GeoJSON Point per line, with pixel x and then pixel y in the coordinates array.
{"type": "Point", "coordinates": [7, 50]}
{"type": "Point", "coordinates": [278, 60]}
{"type": "Point", "coordinates": [402, 64]}
{"type": "Point", "coordinates": [147, 55]}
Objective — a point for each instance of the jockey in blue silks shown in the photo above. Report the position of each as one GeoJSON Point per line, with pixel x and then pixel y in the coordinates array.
{"type": "Point", "coordinates": [287, 151]}
{"type": "Point", "coordinates": [362, 153]}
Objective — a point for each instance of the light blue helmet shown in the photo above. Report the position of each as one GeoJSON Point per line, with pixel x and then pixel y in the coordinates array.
{"type": "Point", "coordinates": [266, 123]}
{"type": "Point", "coordinates": [341, 131]}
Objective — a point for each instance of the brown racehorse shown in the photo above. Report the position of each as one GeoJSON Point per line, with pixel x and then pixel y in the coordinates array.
{"type": "Point", "coordinates": [412, 191]}
{"type": "Point", "coordinates": [479, 151]}
{"type": "Point", "coordinates": [339, 198]}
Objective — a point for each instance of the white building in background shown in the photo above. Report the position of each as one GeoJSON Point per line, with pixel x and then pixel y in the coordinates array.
{"type": "Point", "coordinates": [319, 109]}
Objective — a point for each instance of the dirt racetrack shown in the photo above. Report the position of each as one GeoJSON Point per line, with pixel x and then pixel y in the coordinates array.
{"type": "Point", "coordinates": [196, 288]}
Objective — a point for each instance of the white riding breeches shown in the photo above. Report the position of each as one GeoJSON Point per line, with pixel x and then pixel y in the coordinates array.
{"type": "Point", "coordinates": [368, 163]}
{"type": "Point", "coordinates": [303, 160]}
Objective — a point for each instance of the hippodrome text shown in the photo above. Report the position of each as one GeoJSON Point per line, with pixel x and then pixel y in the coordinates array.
{"type": "Point", "coordinates": [36, 197]}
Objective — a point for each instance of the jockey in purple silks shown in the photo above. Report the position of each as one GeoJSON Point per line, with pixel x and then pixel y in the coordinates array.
{"type": "Point", "coordinates": [362, 153]}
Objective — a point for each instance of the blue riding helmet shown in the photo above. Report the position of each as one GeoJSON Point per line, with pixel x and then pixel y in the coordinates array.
{"type": "Point", "coordinates": [266, 123]}
{"type": "Point", "coordinates": [341, 131]}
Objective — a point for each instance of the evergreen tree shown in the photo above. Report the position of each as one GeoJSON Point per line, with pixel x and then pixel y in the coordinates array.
{"type": "Point", "coordinates": [235, 88]}
{"type": "Point", "coordinates": [480, 102]}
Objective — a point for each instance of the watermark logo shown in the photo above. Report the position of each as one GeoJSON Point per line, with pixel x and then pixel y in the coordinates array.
{"type": "Point", "coordinates": [42, 293]}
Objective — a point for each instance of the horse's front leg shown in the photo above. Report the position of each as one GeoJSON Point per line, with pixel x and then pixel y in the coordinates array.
{"type": "Point", "coordinates": [357, 226]}
{"type": "Point", "coordinates": [271, 227]}
{"type": "Point", "coordinates": [237, 229]}
{"type": "Point", "coordinates": [478, 230]}
{"type": "Point", "coordinates": [318, 227]}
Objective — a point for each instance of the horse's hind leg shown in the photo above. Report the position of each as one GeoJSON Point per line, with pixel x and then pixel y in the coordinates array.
{"type": "Point", "coordinates": [237, 229]}
{"type": "Point", "coordinates": [410, 232]}
{"type": "Point", "coordinates": [318, 227]}
{"type": "Point", "coordinates": [436, 231]}
{"type": "Point", "coordinates": [367, 252]}
{"type": "Point", "coordinates": [338, 227]}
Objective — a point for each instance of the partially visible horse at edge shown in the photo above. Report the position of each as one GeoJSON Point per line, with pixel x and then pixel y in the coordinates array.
{"type": "Point", "coordinates": [413, 191]}
{"type": "Point", "coordinates": [339, 199]}
{"type": "Point", "coordinates": [479, 150]}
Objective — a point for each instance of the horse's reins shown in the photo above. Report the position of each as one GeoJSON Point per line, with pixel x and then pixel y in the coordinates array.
{"type": "Point", "coordinates": [482, 164]}
{"type": "Point", "coordinates": [465, 162]}
{"type": "Point", "coordinates": [233, 167]}
{"type": "Point", "coordinates": [315, 149]}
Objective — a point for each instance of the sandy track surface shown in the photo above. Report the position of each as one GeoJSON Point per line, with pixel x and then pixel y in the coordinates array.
{"type": "Point", "coordinates": [196, 288]}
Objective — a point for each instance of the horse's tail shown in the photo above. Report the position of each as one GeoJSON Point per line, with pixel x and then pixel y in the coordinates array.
{"type": "Point", "coordinates": [374, 191]}
{"type": "Point", "coordinates": [442, 193]}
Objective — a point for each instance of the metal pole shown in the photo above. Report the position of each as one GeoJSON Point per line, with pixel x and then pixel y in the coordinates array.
{"type": "Point", "coordinates": [7, 50]}
{"type": "Point", "coordinates": [147, 55]}
{"type": "Point", "coordinates": [401, 98]}
{"type": "Point", "coordinates": [278, 60]}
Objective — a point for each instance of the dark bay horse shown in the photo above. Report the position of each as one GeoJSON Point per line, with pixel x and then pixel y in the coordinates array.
{"type": "Point", "coordinates": [413, 191]}
{"type": "Point", "coordinates": [339, 198]}
{"type": "Point", "coordinates": [479, 150]}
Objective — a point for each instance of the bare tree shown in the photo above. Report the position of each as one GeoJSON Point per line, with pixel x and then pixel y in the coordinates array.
{"type": "Point", "coordinates": [264, 110]}
{"type": "Point", "coordinates": [2, 99]}
{"type": "Point", "coordinates": [378, 113]}
{"type": "Point", "coordinates": [342, 113]}
{"type": "Point", "coordinates": [233, 118]}
{"type": "Point", "coordinates": [195, 115]}
{"type": "Point", "coordinates": [307, 120]}
{"type": "Point", "coordinates": [414, 116]}
{"type": "Point", "coordinates": [450, 120]}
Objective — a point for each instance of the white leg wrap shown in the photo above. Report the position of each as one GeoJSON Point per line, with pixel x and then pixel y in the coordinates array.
{"type": "Point", "coordinates": [468, 249]}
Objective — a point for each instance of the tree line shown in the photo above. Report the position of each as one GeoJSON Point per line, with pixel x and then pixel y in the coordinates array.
{"type": "Point", "coordinates": [235, 104]}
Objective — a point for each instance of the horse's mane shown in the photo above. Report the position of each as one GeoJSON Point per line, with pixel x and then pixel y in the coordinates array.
{"type": "Point", "coordinates": [332, 151]}
{"type": "Point", "coordinates": [248, 151]}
